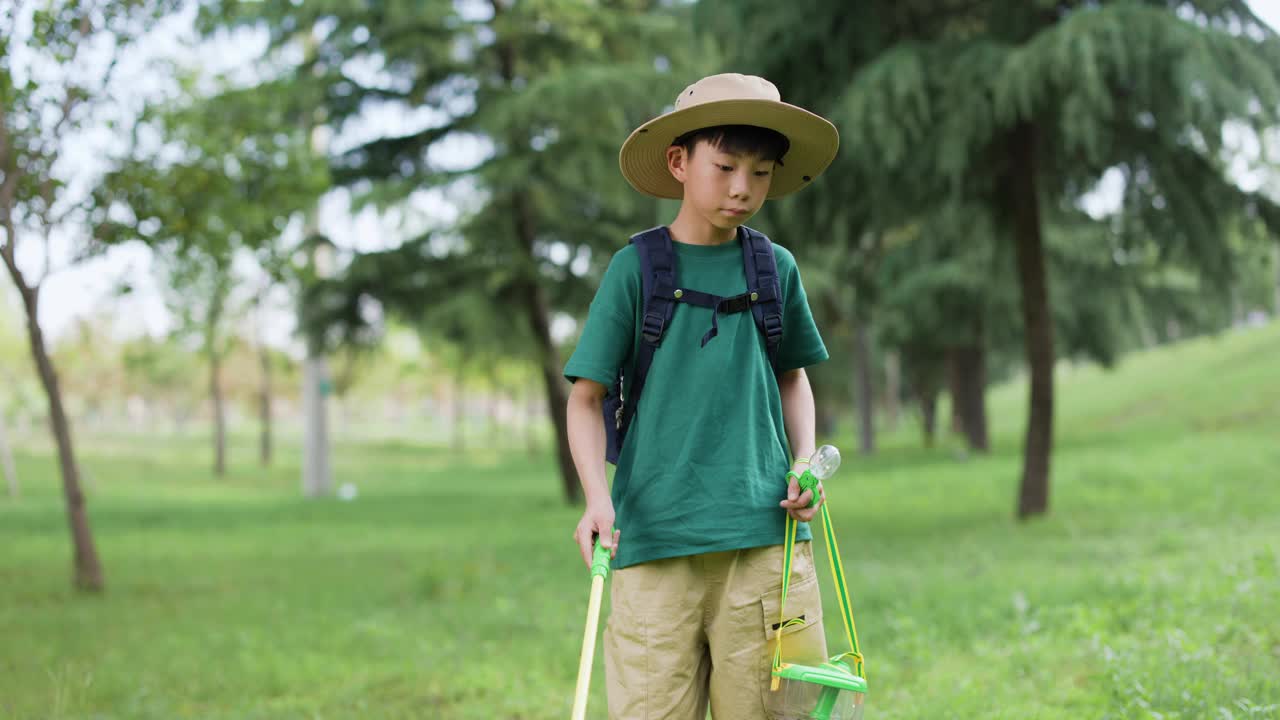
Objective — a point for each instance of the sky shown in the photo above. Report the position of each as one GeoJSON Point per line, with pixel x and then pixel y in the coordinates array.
{"type": "Point", "coordinates": [76, 293]}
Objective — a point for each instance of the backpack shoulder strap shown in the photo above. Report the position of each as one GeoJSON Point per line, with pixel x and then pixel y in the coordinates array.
{"type": "Point", "coordinates": [657, 270]}
{"type": "Point", "coordinates": [762, 280]}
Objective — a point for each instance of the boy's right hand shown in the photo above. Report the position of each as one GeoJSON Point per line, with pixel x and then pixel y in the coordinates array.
{"type": "Point", "coordinates": [597, 520]}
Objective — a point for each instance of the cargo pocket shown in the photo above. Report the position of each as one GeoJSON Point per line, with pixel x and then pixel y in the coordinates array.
{"type": "Point", "coordinates": [803, 643]}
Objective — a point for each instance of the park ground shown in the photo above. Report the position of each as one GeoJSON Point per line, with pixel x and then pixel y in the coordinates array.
{"type": "Point", "coordinates": [449, 588]}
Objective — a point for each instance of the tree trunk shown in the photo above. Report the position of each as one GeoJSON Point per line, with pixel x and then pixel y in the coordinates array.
{"type": "Point", "coordinates": [865, 396]}
{"type": "Point", "coordinates": [539, 316]}
{"type": "Point", "coordinates": [88, 571]}
{"type": "Point", "coordinates": [955, 390]}
{"type": "Point", "coordinates": [1024, 199]}
{"type": "Point", "coordinates": [494, 407]}
{"type": "Point", "coordinates": [929, 414]}
{"type": "Point", "coordinates": [264, 406]}
{"type": "Point", "coordinates": [459, 415]}
{"type": "Point", "coordinates": [969, 394]}
{"type": "Point", "coordinates": [219, 417]}
{"type": "Point", "coordinates": [824, 421]}
{"type": "Point", "coordinates": [826, 405]}
{"type": "Point", "coordinates": [892, 389]}
{"type": "Point", "coordinates": [316, 478]}
{"type": "Point", "coordinates": [536, 303]}
{"type": "Point", "coordinates": [1275, 262]}
{"type": "Point", "coordinates": [1142, 320]}
{"type": "Point", "coordinates": [6, 461]}
{"type": "Point", "coordinates": [495, 416]}
{"type": "Point", "coordinates": [557, 398]}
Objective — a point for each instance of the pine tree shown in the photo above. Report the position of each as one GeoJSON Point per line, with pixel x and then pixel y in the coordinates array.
{"type": "Point", "coordinates": [1020, 107]}
{"type": "Point", "coordinates": [544, 91]}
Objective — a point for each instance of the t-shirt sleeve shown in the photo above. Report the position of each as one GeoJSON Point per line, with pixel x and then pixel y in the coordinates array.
{"type": "Point", "coordinates": [607, 337]}
{"type": "Point", "coordinates": [802, 344]}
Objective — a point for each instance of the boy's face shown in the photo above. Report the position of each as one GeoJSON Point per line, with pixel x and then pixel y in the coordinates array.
{"type": "Point", "coordinates": [724, 188]}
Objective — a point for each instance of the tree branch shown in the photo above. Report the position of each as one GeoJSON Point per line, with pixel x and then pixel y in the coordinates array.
{"type": "Point", "coordinates": [9, 256]}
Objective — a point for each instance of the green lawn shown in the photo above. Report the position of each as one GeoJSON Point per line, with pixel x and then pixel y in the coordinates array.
{"type": "Point", "coordinates": [450, 589]}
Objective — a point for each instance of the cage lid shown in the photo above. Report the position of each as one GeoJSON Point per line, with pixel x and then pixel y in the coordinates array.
{"type": "Point", "coordinates": [835, 675]}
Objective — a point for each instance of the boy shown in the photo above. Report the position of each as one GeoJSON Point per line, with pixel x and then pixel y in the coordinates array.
{"type": "Point", "coordinates": [700, 491]}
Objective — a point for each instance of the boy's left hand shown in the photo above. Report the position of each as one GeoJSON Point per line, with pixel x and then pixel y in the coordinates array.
{"type": "Point", "coordinates": [797, 503]}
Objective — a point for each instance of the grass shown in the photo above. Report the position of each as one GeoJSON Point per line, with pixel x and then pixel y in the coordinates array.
{"type": "Point", "coordinates": [450, 589]}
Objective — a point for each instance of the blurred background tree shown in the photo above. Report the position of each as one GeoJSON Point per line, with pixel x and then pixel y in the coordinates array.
{"type": "Point", "coordinates": [1019, 108]}
{"type": "Point", "coordinates": [49, 96]}
{"type": "Point", "coordinates": [195, 195]}
{"type": "Point", "coordinates": [534, 96]}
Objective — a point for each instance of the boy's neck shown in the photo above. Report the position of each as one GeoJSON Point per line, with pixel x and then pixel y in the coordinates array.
{"type": "Point", "coordinates": [690, 229]}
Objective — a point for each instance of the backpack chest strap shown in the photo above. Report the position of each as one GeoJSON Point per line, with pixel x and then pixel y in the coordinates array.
{"type": "Point", "coordinates": [718, 304]}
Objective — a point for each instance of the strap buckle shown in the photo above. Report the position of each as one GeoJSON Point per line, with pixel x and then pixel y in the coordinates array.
{"type": "Point", "coordinates": [773, 328]}
{"type": "Point", "coordinates": [652, 328]}
{"type": "Point", "coordinates": [735, 304]}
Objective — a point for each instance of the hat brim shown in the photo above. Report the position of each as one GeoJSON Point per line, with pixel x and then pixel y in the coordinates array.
{"type": "Point", "coordinates": [814, 142]}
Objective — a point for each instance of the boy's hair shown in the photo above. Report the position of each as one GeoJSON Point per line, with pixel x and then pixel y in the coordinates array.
{"type": "Point", "coordinates": [744, 139]}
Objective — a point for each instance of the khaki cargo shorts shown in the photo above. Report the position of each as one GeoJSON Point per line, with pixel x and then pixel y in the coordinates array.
{"type": "Point", "coordinates": [688, 631]}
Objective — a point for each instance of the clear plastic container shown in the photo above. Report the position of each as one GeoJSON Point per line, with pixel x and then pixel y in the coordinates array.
{"type": "Point", "coordinates": [825, 462]}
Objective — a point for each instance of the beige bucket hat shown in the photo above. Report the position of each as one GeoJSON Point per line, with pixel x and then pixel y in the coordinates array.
{"type": "Point", "coordinates": [730, 99]}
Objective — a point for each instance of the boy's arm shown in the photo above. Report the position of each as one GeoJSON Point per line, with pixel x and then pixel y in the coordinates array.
{"type": "Point", "coordinates": [587, 445]}
{"type": "Point", "coordinates": [798, 416]}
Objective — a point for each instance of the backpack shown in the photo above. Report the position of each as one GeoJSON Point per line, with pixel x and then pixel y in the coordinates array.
{"type": "Point", "coordinates": [661, 292]}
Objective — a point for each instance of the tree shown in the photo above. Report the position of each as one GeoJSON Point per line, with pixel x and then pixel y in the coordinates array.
{"type": "Point", "coordinates": [440, 301]}
{"type": "Point", "coordinates": [265, 363]}
{"type": "Point", "coordinates": [936, 302]}
{"type": "Point", "coordinates": [1021, 106]}
{"type": "Point", "coordinates": [47, 96]}
{"type": "Point", "coordinates": [543, 91]}
{"type": "Point", "coordinates": [230, 171]}
{"type": "Point", "coordinates": [199, 290]}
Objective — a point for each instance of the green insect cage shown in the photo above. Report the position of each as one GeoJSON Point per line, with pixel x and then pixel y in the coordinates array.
{"type": "Point", "coordinates": [836, 689]}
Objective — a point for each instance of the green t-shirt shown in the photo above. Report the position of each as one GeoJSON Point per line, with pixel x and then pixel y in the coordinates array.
{"type": "Point", "coordinates": [704, 463]}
